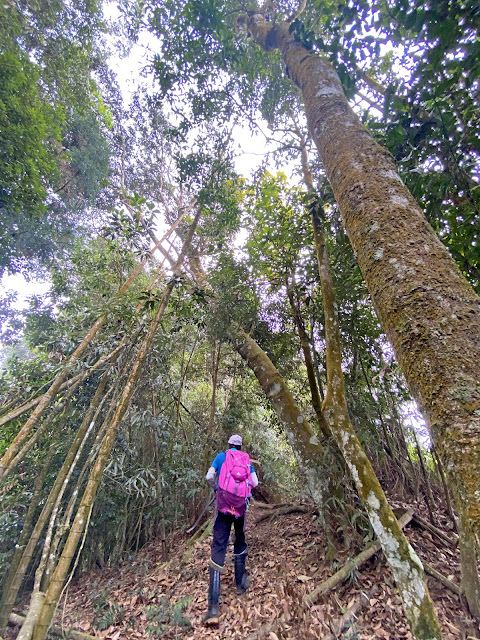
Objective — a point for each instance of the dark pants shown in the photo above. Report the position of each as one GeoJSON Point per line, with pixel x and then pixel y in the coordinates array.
{"type": "Point", "coordinates": [221, 534]}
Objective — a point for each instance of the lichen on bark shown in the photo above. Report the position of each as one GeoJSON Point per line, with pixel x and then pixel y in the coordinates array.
{"type": "Point", "coordinates": [429, 312]}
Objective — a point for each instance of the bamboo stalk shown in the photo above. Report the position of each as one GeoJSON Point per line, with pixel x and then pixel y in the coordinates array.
{"type": "Point", "coordinates": [60, 574]}
{"type": "Point", "coordinates": [17, 620]}
{"type": "Point", "coordinates": [49, 395]}
{"type": "Point", "coordinates": [17, 570]}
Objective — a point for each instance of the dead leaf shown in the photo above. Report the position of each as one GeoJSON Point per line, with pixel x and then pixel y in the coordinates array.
{"type": "Point", "coordinates": [304, 578]}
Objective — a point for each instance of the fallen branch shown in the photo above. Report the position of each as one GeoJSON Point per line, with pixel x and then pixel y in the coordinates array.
{"type": "Point", "coordinates": [264, 505]}
{"type": "Point", "coordinates": [16, 620]}
{"type": "Point", "coordinates": [441, 578]}
{"type": "Point", "coordinates": [341, 623]}
{"type": "Point", "coordinates": [204, 531]}
{"type": "Point", "coordinates": [451, 539]}
{"type": "Point", "coordinates": [332, 582]}
{"type": "Point", "coordinates": [273, 513]}
{"type": "Point", "coordinates": [201, 514]}
{"type": "Point", "coordinates": [342, 574]}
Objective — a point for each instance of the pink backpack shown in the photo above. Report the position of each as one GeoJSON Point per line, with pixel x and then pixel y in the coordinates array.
{"type": "Point", "coordinates": [235, 474]}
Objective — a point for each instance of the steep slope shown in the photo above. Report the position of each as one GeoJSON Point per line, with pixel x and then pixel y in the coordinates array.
{"type": "Point", "coordinates": [144, 597]}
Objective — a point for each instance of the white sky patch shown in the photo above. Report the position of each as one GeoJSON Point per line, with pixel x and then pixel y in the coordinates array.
{"type": "Point", "coordinates": [23, 288]}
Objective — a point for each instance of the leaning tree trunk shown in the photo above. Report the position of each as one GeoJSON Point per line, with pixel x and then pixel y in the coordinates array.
{"type": "Point", "coordinates": [21, 543]}
{"type": "Point", "coordinates": [82, 516]}
{"type": "Point", "coordinates": [72, 361]}
{"type": "Point", "coordinates": [427, 309]}
{"type": "Point", "coordinates": [301, 435]}
{"type": "Point", "coordinates": [27, 544]}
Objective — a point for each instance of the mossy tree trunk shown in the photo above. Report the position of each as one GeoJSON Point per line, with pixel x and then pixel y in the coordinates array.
{"type": "Point", "coordinates": [404, 563]}
{"type": "Point", "coordinates": [23, 539]}
{"type": "Point", "coordinates": [425, 306]}
{"type": "Point", "coordinates": [301, 435]}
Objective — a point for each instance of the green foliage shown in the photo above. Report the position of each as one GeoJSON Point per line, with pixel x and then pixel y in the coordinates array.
{"type": "Point", "coordinates": [425, 58]}
{"type": "Point", "coordinates": [163, 614]}
{"type": "Point", "coordinates": [29, 129]}
{"type": "Point", "coordinates": [254, 237]}
{"type": "Point", "coordinates": [106, 613]}
{"type": "Point", "coordinates": [53, 152]}
{"type": "Point", "coordinates": [280, 229]}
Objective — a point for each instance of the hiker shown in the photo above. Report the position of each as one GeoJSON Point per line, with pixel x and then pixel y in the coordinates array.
{"type": "Point", "coordinates": [232, 476]}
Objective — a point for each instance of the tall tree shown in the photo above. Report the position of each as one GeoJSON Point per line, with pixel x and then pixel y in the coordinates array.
{"type": "Point", "coordinates": [419, 295]}
{"type": "Point", "coordinates": [54, 152]}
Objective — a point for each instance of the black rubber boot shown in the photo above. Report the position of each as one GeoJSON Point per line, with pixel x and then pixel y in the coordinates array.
{"type": "Point", "coordinates": [241, 578]}
{"type": "Point", "coordinates": [213, 598]}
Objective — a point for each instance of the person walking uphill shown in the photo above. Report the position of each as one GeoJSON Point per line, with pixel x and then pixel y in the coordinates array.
{"type": "Point", "coordinates": [233, 477]}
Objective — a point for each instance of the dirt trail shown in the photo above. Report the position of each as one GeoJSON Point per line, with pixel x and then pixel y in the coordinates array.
{"type": "Point", "coordinates": [144, 598]}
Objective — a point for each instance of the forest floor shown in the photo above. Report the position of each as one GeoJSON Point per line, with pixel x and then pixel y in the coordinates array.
{"type": "Point", "coordinates": [145, 598]}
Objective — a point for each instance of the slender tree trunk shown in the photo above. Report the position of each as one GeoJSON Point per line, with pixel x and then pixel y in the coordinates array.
{"type": "Point", "coordinates": [22, 541]}
{"type": "Point", "coordinates": [213, 401]}
{"type": "Point", "coordinates": [54, 388]}
{"type": "Point", "coordinates": [59, 576]}
{"type": "Point", "coordinates": [160, 500]}
{"type": "Point", "coordinates": [307, 356]}
{"type": "Point", "coordinates": [420, 297]}
{"type": "Point", "coordinates": [429, 495]}
{"type": "Point", "coordinates": [50, 551]}
{"type": "Point", "coordinates": [301, 435]}
{"type": "Point", "coordinates": [19, 567]}
{"type": "Point", "coordinates": [317, 369]}
{"type": "Point", "coordinates": [36, 604]}
{"type": "Point", "coordinates": [404, 563]}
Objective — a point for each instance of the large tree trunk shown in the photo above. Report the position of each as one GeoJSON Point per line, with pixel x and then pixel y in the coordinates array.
{"type": "Point", "coordinates": [427, 309]}
{"type": "Point", "coordinates": [404, 563]}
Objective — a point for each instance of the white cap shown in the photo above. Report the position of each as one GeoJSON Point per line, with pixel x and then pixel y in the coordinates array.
{"type": "Point", "coordinates": [236, 440]}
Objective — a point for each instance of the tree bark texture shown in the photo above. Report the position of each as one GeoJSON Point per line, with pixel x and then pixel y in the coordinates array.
{"type": "Point", "coordinates": [301, 435]}
{"type": "Point", "coordinates": [404, 563]}
{"type": "Point", "coordinates": [427, 309]}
